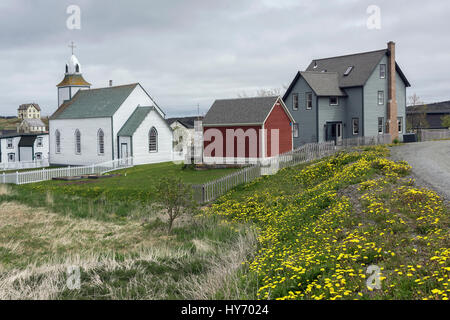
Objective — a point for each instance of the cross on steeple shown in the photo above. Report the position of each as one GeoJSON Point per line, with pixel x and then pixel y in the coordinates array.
{"type": "Point", "coordinates": [72, 45]}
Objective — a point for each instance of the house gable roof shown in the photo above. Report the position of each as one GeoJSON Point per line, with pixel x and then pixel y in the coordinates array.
{"type": "Point", "coordinates": [134, 121]}
{"type": "Point", "coordinates": [94, 103]}
{"type": "Point", "coordinates": [363, 66]}
{"type": "Point", "coordinates": [25, 106]}
{"type": "Point", "coordinates": [240, 111]}
{"type": "Point", "coordinates": [323, 83]}
{"type": "Point", "coordinates": [33, 122]}
{"type": "Point", "coordinates": [187, 122]}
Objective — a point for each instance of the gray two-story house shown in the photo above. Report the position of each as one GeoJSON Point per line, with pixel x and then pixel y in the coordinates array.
{"type": "Point", "coordinates": [361, 94]}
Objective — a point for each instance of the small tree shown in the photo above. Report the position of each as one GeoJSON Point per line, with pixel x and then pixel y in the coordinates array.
{"type": "Point", "coordinates": [176, 198]}
{"type": "Point", "coordinates": [446, 121]}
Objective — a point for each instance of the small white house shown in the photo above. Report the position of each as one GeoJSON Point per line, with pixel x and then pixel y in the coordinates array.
{"type": "Point", "coordinates": [23, 147]}
{"type": "Point", "coordinates": [99, 125]}
{"type": "Point", "coordinates": [31, 125]}
{"type": "Point", "coordinates": [183, 134]}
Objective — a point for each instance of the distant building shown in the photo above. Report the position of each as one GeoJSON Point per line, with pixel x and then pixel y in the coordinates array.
{"type": "Point", "coordinates": [31, 125]}
{"type": "Point", "coordinates": [29, 111]}
{"type": "Point", "coordinates": [432, 114]}
{"type": "Point", "coordinates": [183, 133]}
{"type": "Point", "coordinates": [15, 147]}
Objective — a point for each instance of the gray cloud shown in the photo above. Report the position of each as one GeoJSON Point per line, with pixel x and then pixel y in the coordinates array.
{"type": "Point", "coordinates": [194, 51]}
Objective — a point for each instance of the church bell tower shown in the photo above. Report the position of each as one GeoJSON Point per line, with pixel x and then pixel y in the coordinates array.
{"type": "Point", "coordinates": [73, 80]}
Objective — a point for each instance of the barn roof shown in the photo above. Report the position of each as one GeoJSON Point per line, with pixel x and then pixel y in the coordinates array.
{"type": "Point", "coordinates": [239, 111]}
{"type": "Point", "coordinates": [134, 121]}
{"type": "Point", "coordinates": [94, 103]}
{"type": "Point", "coordinates": [33, 122]}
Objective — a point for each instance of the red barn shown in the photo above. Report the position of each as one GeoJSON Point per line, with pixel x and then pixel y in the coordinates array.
{"type": "Point", "coordinates": [247, 128]}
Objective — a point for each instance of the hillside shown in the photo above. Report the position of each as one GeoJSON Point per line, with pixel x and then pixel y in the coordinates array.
{"type": "Point", "coordinates": [351, 226]}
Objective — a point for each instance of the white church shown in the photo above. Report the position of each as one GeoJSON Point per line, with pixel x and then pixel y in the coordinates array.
{"type": "Point", "coordinates": [98, 125]}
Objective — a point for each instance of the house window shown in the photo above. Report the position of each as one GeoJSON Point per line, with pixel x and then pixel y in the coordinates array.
{"type": "Point", "coordinates": [400, 124]}
{"type": "Point", "coordinates": [309, 100]}
{"type": "Point", "coordinates": [334, 101]}
{"type": "Point", "coordinates": [153, 140]}
{"type": "Point", "coordinates": [58, 141]}
{"type": "Point", "coordinates": [38, 156]}
{"type": "Point", "coordinates": [77, 142]}
{"type": "Point", "coordinates": [39, 142]}
{"type": "Point", "coordinates": [10, 144]}
{"type": "Point", "coordinates": [101, 142]}
{"type": "Point", "coordinates": [295, 101]}
{"type": "Point", "coordinates": [355, 126]}
{"type": "Point", "coordinates": [296, 129]}
{"type": "Point", "coordinates": [11, 157]}
{"type": "Point", "coordinates": [380, 125]}
{"type": "Point", "coordinates": [380, 97]}
{"type": "Point", "coordinates": [382, 71]}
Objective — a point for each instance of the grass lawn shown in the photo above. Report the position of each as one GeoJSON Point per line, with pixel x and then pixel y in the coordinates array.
{"type": "Point", "coordinates": [136, 183]}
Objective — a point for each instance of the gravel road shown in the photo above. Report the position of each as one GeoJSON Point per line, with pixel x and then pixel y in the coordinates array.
{"type": "Point", "coordinates": [430, 163]}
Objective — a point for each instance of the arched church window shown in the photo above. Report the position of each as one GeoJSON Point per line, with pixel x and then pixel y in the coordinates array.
{"type": "Point", "coordinates": [77, 68]}
{"type": "Point", "coordinates": [101, 142]}
{"type": "Point", "coordinates": [77, 142]}
{"type": "Point", "coordinates": [58, 141]}
{"type": "Point", "coordinates": [153, 140]}
{"type": "Point", "coordinates": [67, 68]}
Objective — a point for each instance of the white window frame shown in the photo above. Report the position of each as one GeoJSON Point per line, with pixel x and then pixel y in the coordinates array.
{"type": "Point", "coordinates": [383, 72]}
{"type": "Point", "coordinates": [77, 136]}
{"type": "Point", "coordinates": [40, 142]}
{"type": "Point", "coordinates": [337, 101]}
{"type": "Point", "coordinates": [295, 101]}
{"type": "Point", "coordinates": [353, 126]}
{"type": "Point", "coordinates": [308, 99]}
{"type": "Point", "coordinates": [57, 141]}
{"type": "Point", "coordinates": [380, 101]}
{"type": "Point", "coordinates": [400, 124]}
{"type": "Point", "coordinates": [296, 130]}
{"type": "Point", "coordinates": [13, 157]}
{"type": "Point", "coordinates": [9, 143]}
{"type": "Point", "coordinates": [152, 146]}
{"type": "Point", "coordinates": [380, 126]}
{"type": "Point", "coordinates": [100, 143]}
{"type": "Point", "coordinates": [38, 156]}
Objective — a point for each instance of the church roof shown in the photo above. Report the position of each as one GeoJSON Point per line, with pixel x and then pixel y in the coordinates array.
{"type": "Point", "coordinates": [134, 121]}
{"type": "Point", "coordinates": [94, 103]}
{"type": "Point", "coordinates": [73, 80]}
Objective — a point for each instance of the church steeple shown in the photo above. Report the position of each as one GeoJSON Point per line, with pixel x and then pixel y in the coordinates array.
{"type": "Point", "coordinates": [73, 80]}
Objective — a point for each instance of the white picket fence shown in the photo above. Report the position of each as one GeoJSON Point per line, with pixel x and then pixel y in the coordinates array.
{"type": "Point", "coordinates": [24, 177]}
{"type": "Point", "coordinates": [210, 191]}
{"type": "Point", "coordinates": [19, 165]}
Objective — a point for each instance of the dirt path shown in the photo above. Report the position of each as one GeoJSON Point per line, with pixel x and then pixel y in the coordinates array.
{"type": "Point", "coordinates": [430, 162]}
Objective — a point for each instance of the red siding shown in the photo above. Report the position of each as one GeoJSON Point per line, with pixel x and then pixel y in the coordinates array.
{"type": "Point", "coordinates": [278, 119]}
{"type": "Point", "coordinates": [235, 152]}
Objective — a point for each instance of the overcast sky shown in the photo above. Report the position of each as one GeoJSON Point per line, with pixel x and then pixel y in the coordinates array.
{"type": "Point", "coordinates": [191, 52]}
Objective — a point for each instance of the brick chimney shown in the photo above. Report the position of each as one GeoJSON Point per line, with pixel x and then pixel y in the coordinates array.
{"type": "Point", "coordinates": [392, 125]}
